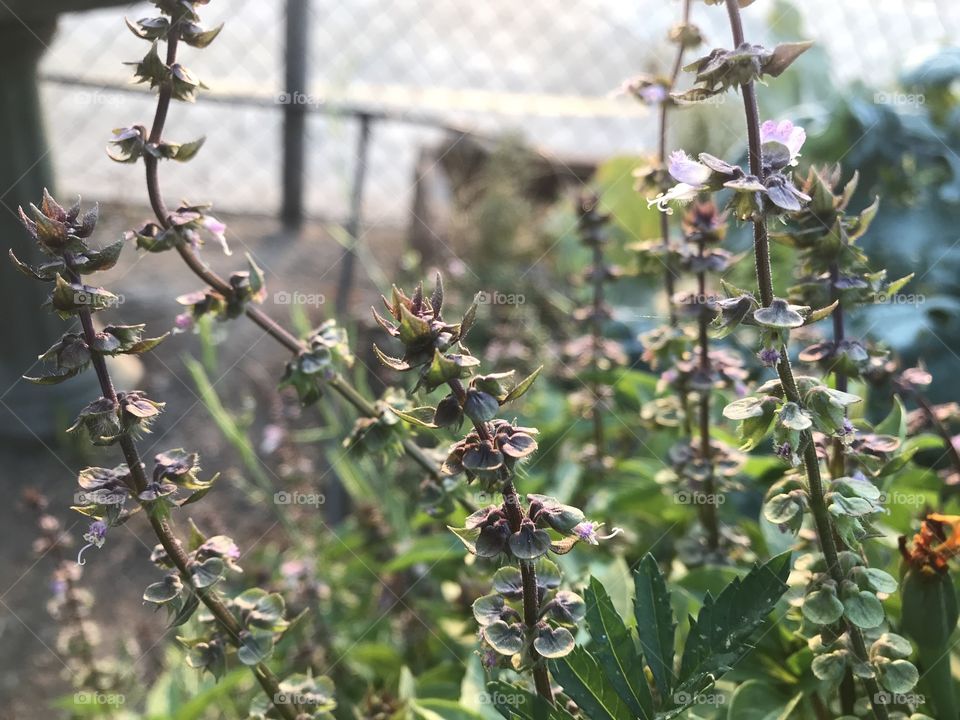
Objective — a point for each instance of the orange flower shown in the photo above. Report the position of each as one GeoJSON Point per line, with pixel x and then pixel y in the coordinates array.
{"type": "Point", "coordinates": [933, 547]}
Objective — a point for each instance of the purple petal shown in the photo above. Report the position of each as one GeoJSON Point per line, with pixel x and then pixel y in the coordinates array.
{"type": "Point", "coordinates": [785, 133]}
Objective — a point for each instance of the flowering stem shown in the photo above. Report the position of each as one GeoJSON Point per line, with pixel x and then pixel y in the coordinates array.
{"type": "Point", "coordinates": [531, 594]}
{"type": "Point", "coordinates": [260, 318]}
{"type": "Point", "coordinates": [668, 275]}
{"type": "Point", "coordinates": [73, 617]}
{"type": "Point", "coordinates": [596, 331]}
{"type": "Point", "coordinates": [937, 424]}
{"type": "Point", "coordinates": [708, 509]}
{"type": "Point", "coordinates": [161, 526]}
{"type": "Point", "coordinates": [838, 468]}
{"type": "Point", "coordinates": [811, 462]}
{"type": "Point", "coordinates": [837, 461]}
{"type": "Point", "coordinates": [528, 575]}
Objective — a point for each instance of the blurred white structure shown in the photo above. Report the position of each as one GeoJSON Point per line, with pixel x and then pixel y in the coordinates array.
{"type": "Point", "coordinates": [494, 66]}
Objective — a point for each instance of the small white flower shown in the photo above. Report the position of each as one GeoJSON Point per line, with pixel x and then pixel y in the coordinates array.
{"type": "Point", "coordinates": [685, 170]}
{"type": "Point", "coordinates": [680, 193]}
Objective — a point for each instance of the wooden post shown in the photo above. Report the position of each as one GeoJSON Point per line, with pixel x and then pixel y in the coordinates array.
{"type": "Point", "coordinates": [295, 99]}
{"type": "Point", "coordinates": [356, 215]}
{"type": "Point", "coordinates": [25, 170]}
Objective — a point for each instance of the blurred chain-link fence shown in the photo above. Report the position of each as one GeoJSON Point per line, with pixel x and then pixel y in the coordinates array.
{"type": "Point", "coordinates": [540, 68]}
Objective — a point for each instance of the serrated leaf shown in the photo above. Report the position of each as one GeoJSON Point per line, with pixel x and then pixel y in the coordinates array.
{"type": "Point", "coordinates": [655, 624]}
{"type": "Point", "coordinates": [616, 651]}
{"type": "Point", "coordinates": [516, 703]}
{"type": "Point", "coordinates": [719, 636]}
{"type": "Point", "coordinates": [584, 682]}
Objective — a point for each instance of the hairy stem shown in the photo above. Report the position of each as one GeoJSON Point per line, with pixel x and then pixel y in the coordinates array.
{"type": "Point", "coordinates": [838, 457]}
{"type": "Point", "coordinates": [708, 509]}
{"type": "Point", "coordinates": [668, 273]}
{"type": "Point", "coordinates": [596, 332]}
{"type": "Point", "coordinates": [531, 596]}
{"type": "Point", "coordinates": [811, 462]}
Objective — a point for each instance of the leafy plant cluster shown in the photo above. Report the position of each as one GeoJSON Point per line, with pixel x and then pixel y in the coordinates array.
{"type": "Point", "coordinates": [666, 624]}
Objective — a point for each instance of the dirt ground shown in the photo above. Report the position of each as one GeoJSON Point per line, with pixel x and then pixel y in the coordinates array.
{"type": "Point", "coordinates": [31, 670]}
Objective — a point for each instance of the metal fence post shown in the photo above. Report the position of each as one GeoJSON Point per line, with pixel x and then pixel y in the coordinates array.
{"type": "Point", "coordinates": [356, 214]}
{"type": "Point", "coordinates": [295, 111]}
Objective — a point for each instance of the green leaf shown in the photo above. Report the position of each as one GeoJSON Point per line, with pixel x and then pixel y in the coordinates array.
{"type": "Point", "coordinates": [255, 647]}
{"type": "Point", "coordinates": [863, 609]}
{"type": "Point", "coordinates": [488, 609]}
{"type": "Point", "coordinates": [895, 423]}
{"type": "Point", "coordinates": [505, 639]}
{"type": "Point", "coordinates": [929, 613]}
{"type": "Point", "coordinates": [529, 543]}
{"type": "Point", "coordinates": [760, 700]}
{"type": "Point", "coordinates": [208, 572]}
{"type": "Point", "coordinates": [516, 703]}
{"type": "Point", "coordinates": [522, 387]}
{"type": "Point", "coordinates": [418, 417]}
{"type": "Point", "coordinates": [881, 581]}
{"type": "Point", "coordinates": [822, 607]}
{"type": "Point", "coordinates": [830, 666]}
{"type": "Point", "coordinates": [164, 591]}
{"type": "Point", "coordinates": [655, 624]}
{"type": "Point", "coordinates": [508, 582]}
{"type": "Point", "coordinates": [719, 637]}
{"type": "Point", "coordinates": [553, 642]}
{"type": "Point", "coordinates": [616, 651]}
{"type": "Point", "coordinates": [898, 676]}
{"type": "Point", "coordinates": [584, 682]}
{"type": "Point", "coordinates": [438, 709]}
{"type": "Point", "coordinates": [744, 408]}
